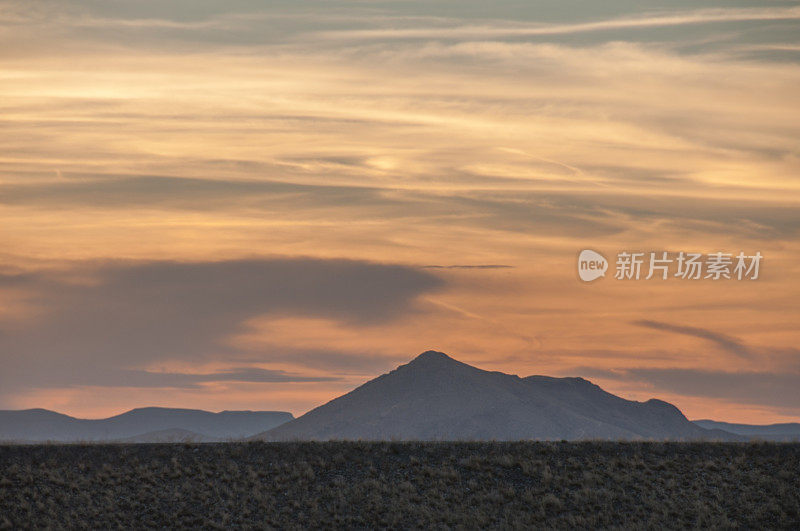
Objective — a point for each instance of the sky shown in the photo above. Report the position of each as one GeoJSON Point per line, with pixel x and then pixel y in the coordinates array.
{"type": "Point", "coordinates": [261, 205]}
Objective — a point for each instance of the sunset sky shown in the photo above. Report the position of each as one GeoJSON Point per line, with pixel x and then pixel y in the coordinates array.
{"type": "Point", "coordinates": [260, 205]}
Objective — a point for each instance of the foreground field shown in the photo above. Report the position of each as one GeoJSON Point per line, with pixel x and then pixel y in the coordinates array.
{"type": "Point", "coordinates": [472, 485]}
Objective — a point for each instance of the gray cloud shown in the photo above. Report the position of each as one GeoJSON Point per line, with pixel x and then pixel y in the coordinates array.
{"type": "Point", "coordinates": [762, 388]}
{"type": "Point", "coordinates": [154, 379]}
{"type": "Point", "coordinates": [727, 343]}
{"type": "Point", "coordinates": [180, 193]}
{"type": "Point", "coordinates": [469, 266]}
{"type": "Point", "coordinates": [97, 319]}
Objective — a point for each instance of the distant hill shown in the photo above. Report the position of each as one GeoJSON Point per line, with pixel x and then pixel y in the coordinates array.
{"type": "Point", "coordinates": [767, 432]}
{"type": "Point", "coordinates": [435, 397]}
{"type": "Point", "coordinates": [144, 424]}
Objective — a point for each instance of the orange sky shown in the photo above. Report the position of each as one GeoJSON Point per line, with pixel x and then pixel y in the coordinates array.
{"type": "Point", "coordinates": [232, 206]}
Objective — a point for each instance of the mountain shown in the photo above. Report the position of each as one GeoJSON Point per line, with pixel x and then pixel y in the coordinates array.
{"type": "Point", "coordinates": [789, 432]}
{"type": "Point", "coordinates": [36, 425]}
{"type": "Point", "coordinates": [435, 397]}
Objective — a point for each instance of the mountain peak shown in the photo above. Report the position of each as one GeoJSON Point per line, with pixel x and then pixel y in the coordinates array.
{"type": "Point", "coordinates": [432, 357]}
{"type": "Point", "coordinates": [433, 354]}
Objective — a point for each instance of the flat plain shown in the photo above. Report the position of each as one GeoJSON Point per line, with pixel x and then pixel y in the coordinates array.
{"type": "Point", "coordinates": [401, 485]}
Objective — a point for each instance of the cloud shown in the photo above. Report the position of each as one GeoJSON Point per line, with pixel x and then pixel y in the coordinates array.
{"type": "Point", "coordinates": [114, 191]}
{"type": "Point", "coordinates": [236, 374]}
{"type": "Point", "coordinates": [130, 378]}
{"type": "Point", "coordinates": [469, 266]}
{"type": "Point", "coordinates": [699, 16]}
{"type": "Point", "coordinates": [763, 388]}
{"type": "Point", "coordinates": [94, 320]}
{"type": "Point", "coordinates": [333, 358]}
{"type": "Point", "coordinates": [727, 343]}
{"type": "Point", "coordinates": [574, 213]}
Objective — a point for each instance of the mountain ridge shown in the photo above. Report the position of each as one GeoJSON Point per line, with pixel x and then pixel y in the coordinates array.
{"type": "Point", "coordinates": [432, 397]}
{"type": "Point", "coordinates": [436, 397]}
{"type": "Point", "coordinates": [780, 432]}
{"type": "Point", "coordinates": [39, 425]}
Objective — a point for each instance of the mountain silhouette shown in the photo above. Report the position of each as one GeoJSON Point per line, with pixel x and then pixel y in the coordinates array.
{"type": "Point", "coordinates": [150, 424]}
{"type": "Point", "coordinates": [435, 397]}
{"type": "Point", "coordinates": [787, 432]}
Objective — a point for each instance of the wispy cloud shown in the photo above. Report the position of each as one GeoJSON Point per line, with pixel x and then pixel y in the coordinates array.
{"type": "Point", "coordinates": [469, 266]}
{"type": "Point", "coordinates": [138, 378]}
{"type": "Point", "coordinates": [113, 377]}
{"type": "Point", "coordinates": [699, 16]}
{"type": "Point", "coordinates": [727, 343]}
